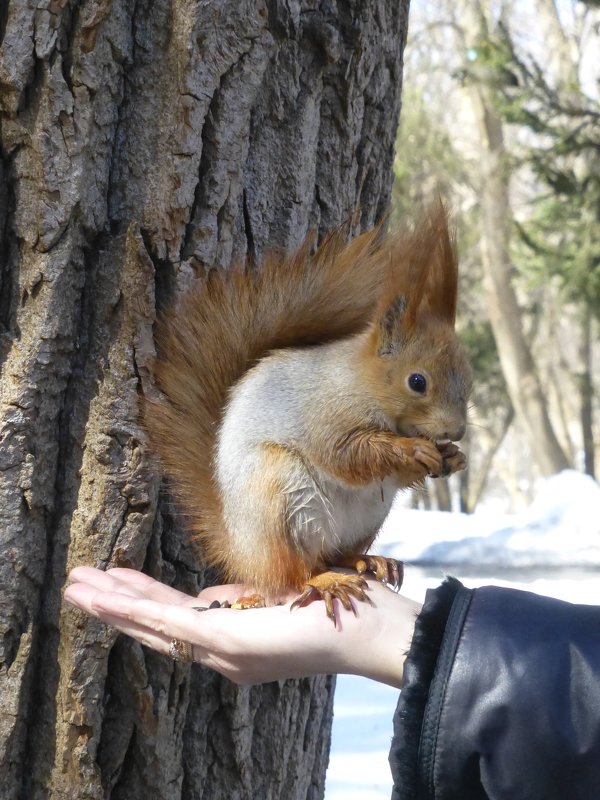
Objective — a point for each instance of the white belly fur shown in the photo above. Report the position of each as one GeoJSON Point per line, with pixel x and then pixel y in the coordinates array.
{"type": "Point", "coordinates": [272, 404]}
{"type": "Point", "coordinates": [337, 518]}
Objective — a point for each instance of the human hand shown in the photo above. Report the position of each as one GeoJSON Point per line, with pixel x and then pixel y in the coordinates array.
{"type": "Point", "coordinates": [253, 645]}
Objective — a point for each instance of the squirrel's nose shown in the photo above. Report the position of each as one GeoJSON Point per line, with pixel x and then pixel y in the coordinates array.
{"type": "Point", "coordinates": [456, 434]}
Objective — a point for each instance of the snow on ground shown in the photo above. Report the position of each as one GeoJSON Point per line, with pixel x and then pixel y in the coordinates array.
{"type": "Point", "coordinates": [553, 548]}
{"type": "Point", "coordinates": [362, 729]}
{"type": "Point", "coordinates": [560, 528]}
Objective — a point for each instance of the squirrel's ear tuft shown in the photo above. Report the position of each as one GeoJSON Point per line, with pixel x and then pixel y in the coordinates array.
{"type": "Point", "coordinates": [443, 282]}
{"type": "Point", "coordinates": [390, 333]}
{"type": "Point", "coordinates": [421, 281]}
{"type": "Point", "coordinates": [433, 269]}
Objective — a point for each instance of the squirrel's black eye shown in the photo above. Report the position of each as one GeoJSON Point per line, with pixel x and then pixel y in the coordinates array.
{"type": "Point", "coordinates": [417, 382]}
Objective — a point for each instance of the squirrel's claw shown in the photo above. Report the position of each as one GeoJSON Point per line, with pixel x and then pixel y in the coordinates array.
{"type": "Point", "coordinates": [386, 570]}
{"type": "Point", "coordinates": [328, 586]}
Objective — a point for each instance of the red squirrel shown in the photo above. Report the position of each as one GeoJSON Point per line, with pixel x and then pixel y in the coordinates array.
{"type": "Point", "coordinates": [299, 397]}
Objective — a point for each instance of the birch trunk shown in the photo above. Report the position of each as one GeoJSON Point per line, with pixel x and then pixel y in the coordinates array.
{"type": "Point", "coordinates": [140, 139]}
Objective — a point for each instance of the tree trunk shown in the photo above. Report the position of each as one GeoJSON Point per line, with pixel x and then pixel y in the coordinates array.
{"type": "Point", "coordinates": [586, 390]}
{"type": "Point", "coordinates": [518, 367]}
{"type": "Point", "coordinates": [141, 139]}
{"type": "Point", "coordinates": [443, 497]}
{"type": "Point", "coordinates": [523, 384]}
{"type": "Point", "coordinates": [471, 494]}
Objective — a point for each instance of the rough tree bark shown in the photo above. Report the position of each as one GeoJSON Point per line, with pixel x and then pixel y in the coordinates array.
{"type": "Point", "coordinates": [141, 139]}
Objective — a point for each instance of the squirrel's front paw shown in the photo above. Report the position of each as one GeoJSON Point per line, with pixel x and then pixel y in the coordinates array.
{"type": "Point", "coordinates": [418, 459]}
{"type": "Point", "coordinates": [453, 459]}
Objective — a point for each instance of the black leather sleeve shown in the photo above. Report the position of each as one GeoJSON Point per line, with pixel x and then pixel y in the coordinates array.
{"type": "Point", "coordinates": [501, 699]}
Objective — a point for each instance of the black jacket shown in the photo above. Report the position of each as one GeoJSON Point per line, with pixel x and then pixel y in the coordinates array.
{"type": "Point", "coordinates": [501, 699]}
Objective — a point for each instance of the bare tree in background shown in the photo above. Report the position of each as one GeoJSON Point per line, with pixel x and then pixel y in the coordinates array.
{"type": "Point", "coordinates": [523, 383]}
{"type": "Point", "coordinates": [503, 114]}
{"type": "Point", "coordinates": [141, 141]}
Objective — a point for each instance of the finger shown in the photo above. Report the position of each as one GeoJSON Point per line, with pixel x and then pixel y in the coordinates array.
{"type": "Point", "coordinates": [223, 634]}
{"type": "Point", "coordinates": [128, 581]}
{"type": "Point", "coordinates": [156, 641]}
{"type": "Point", "coordinates": [101, 581]}
{"type": "Point", "coordinates": [97, 602]}
{"type": "Point", "coordinates": [206, 656]}
{"type": "Point", "coordinates": [81, 595]}
{"type": "Point", "coordinates": [154, 590]}
{"type": "Point", "coordinates": [125, 611]}
{"type": "Point", "coordinates": [151, 588]}
{"type": "Point", "coordinates": [145, 636]}
{"type": "Point", "coordinates": [171, 621]}
{"type": "Point", "coordinates": [88, 599]}
{"type": "Point", "coordinates": [85, 574]}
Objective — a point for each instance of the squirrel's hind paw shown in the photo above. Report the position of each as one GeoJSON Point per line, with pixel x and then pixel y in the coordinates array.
{"type": "Point", "coordinates": [328, 586]}
{"type": "Point", "coordinates": [385, 570]}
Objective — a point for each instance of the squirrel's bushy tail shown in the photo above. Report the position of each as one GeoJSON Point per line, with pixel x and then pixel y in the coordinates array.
{"type": "Point", "coordinates": [219, 330]}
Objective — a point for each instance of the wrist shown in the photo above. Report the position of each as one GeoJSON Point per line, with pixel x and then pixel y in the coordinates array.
{"type": "Point", "coordinates": [379, 638]}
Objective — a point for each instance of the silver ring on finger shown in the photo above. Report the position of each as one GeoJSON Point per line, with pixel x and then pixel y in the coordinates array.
{"type": "Point", "coordinates": [181, 651]}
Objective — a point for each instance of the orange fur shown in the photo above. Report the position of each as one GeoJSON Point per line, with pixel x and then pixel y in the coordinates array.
{"type": "Point", "coordinates": [364, 455]}
{"type": "Point", "coordinates": [276, 565]}
{"type": "Point", "coordinates": [424, 272]}
{"type": "Point", "coordinates": [401, 288]}
{"type": "Point", "coordinates": [221, 329]}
